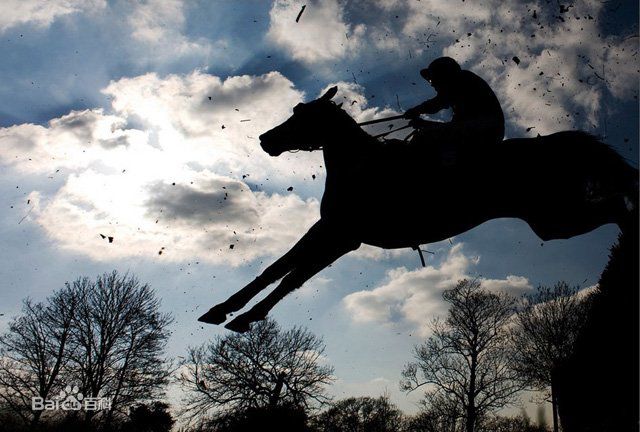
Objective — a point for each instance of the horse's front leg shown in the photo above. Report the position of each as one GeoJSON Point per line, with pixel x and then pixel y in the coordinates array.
{"type": "Point", "coordinates": [218, 313]}
{"type": "Point", "coordinates": [315, 260]}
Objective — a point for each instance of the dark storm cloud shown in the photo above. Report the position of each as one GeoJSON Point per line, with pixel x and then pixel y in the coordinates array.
{"type": "Point", "coordinates": [227, 98]}
{"type": "Point", "coordinates": [222, 201]}
{"type": "Point", "coordinates": [112, 143]}
{"type": "Point", "coordinates": [84, 125]}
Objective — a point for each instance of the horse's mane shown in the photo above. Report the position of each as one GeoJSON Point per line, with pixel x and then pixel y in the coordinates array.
{"type": "Point", "coordinates": [364, 135]}
{"type": "Point", "coordinates": [342, 112]}
{"type": "Point", "coordinates": [370, 139]}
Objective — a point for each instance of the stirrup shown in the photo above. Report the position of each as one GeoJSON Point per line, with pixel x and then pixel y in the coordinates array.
{"type": "Point", "coordinates": [417, 248]}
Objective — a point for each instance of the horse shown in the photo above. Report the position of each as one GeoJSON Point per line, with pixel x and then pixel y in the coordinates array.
{"type": "Point", "coordinates": [395, 194]}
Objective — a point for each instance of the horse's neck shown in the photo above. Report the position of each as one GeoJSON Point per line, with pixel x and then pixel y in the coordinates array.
{"type": "Point", "coordinates": [343, 156]}
{"type": "Point", "coordinates": [347, 146]}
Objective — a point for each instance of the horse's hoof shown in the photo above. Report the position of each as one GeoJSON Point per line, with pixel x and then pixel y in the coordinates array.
{"type": "Point", "coordinates": [239, 325]}
{"type": "Point", "coordinates": [215, 315]}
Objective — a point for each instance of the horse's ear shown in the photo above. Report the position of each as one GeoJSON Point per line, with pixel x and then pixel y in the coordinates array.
{"type": "Point", "coordinates": [330, 93]}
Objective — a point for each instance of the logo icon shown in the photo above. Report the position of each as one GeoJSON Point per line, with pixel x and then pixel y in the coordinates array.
{"type": "Point", "coordinates": [70, 398]}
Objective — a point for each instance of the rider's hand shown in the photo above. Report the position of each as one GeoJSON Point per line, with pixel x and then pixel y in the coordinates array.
{"type": "Point", "coordinates": [412, 113]}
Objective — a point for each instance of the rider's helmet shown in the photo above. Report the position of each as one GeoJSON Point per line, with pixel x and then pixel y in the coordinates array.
{"type": "Point", "coordinates": [441, 71]}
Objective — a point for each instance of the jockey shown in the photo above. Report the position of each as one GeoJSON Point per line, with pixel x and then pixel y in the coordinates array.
{"type": "Point", "coordinates": [477, 115]}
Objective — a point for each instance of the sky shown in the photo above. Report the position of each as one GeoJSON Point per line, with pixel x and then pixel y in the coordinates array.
{"type": "Point", "coordinates": [138, 120]}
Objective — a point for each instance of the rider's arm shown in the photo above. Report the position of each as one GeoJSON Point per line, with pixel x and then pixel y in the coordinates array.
{"type": "Point", "coordinates": [433, 105]}
{"type": "Point", "coordinates": [418, 123]}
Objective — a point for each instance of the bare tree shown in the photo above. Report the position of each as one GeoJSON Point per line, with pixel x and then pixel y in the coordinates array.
{"type": "Point", "coordinates": [105, 336]}
{"type": "Point", "coordinates": [548, 323]}
{"type": "Point", "coordinates": [119, 335]}
{"type": "Point", "coordinates": [361, 414]}
{"type": "Point", "coordinates": [439, 413]}
{"type": "Point", "coordinates": [521, 423]}
{"type": "Point", "coordinates": [264, 367]}
{"type": "Point", "coordinates": [34, 351]}
{"type": "Point", "coordinates": [466, 360]}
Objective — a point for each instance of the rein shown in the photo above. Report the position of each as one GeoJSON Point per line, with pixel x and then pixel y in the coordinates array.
{"type": "Point", "coordinates": [381, 120]}
{"type": "Point", "coordinates": [391, 131]}
{"type": "Point", "coordinates": [385, 119]}
{"type": "Point", "coordinates": [370, 122]}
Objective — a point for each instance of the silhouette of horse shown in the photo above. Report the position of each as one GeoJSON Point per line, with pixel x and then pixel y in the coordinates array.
{"type": "Point", "coordinates": [395, 195]}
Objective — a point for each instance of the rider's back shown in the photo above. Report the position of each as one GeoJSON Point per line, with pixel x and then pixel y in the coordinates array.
{"type": "Point", "coordinates": [473, 102]}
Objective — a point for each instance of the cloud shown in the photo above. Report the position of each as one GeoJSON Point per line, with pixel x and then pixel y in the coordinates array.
{"type": "Point", "coordinates": [160, 174]}
{"type": "Point", "coordinates": [374, 387]}
{"type": "Point", "coordinates": [154, 20]}
{"type": "Point", "coordinates": [430, 14]}
{"type": "Point", "coordinates": [202, 119]}
{"type": "Point", "coordinates": [144, 224]}
{"type": "Point", "coordinates": [43, 13]}
{"type": "Point", "coordinates": [220, 199]}
{"type": "Point", "coordinates": [71, 141]}
{"type": "Point", "coordinates": [354, 102]}
{"type": "Point", "coordinates": [414, 297]}
{"type": "Point", "coordinates": [622, 67]}
{"type": "Point", "coordinates": [176, 167]}
{"type": "Point", "coordinates": [566, 65]}
{"type": "Point", "coordinates": [320, 35]}
{"type": "Point", "coordinates": [158, 26]}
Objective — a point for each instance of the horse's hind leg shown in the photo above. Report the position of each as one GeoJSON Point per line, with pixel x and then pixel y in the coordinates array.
{"type": "Point", "coordinates": [317, 261]}
{"type": "Point", "coordinates": [282, 266]}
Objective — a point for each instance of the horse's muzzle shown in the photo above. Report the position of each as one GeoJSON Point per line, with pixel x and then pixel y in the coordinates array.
{"type": "Point", "coordinates": [267, 146]}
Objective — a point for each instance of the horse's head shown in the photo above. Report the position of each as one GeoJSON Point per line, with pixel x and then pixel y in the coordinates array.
{"type": "Point", "coordinates": [306, 129]}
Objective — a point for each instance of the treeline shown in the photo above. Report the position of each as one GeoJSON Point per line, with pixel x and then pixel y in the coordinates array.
{"type": "Point", "coordinates": [96, 344]}
{"type": "Point", "coordinates": [91, 357]}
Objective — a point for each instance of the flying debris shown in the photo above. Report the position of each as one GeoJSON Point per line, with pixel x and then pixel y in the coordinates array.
{"type": "Point", "coordinates": [300, 13]}
{"type": "Point", "coordinates": [110, 238]}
